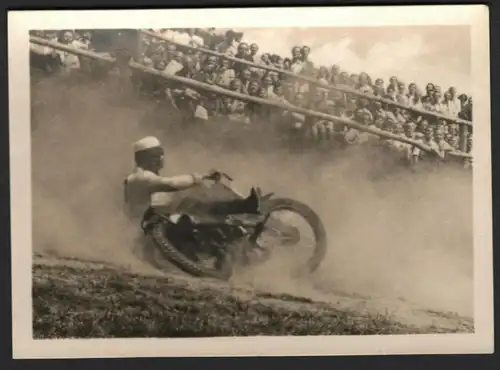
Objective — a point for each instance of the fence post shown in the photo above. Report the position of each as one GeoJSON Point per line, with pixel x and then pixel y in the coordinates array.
{"type": "Point", "coordinates": [463, 138]}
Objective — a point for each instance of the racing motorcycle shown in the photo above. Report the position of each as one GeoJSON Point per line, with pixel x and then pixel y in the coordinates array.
{"type": "Point", "coordinates": [227, 228]}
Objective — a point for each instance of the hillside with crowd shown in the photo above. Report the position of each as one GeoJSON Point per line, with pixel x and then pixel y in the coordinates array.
{"type": "Point", "coordinates": [432, 115]}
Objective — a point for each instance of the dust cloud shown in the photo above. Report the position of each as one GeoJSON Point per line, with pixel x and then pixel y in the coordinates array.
{"type": "Point", "coordinates": [401, 235]}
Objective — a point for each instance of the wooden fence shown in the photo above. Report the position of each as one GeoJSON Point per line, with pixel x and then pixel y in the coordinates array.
{"type": "Point", "coordinates": [243, 97]}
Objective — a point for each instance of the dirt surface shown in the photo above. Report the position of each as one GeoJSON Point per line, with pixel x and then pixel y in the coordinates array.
{"type": "Point", "coordinates": [400, 244]}
{"type": "Point", "coordinates": [82, 299]}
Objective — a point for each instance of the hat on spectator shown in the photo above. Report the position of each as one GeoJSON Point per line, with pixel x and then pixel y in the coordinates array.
{"type": "Point", "coordinates": [145, 143]}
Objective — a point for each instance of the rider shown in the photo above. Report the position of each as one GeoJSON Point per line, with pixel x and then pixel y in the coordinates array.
{"type": "Point", "coordinates": [145, 187]}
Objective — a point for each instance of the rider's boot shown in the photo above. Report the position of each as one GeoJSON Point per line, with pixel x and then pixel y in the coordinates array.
{"type": "Point", "coordinates": [250, 204]}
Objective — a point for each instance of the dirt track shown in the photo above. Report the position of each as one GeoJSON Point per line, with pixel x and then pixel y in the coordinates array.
{"type": "Point", "coordinates": [401, 245]}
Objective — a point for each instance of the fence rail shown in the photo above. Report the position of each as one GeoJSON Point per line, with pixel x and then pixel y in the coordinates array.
{"type": "Point", "coordinates": [246, 98]}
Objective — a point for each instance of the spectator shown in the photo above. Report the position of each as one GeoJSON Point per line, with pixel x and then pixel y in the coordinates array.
{"type": "Point", "coordinates": [304, 55]}
{"type": "Point", "coordinates": [414, 98]}
{"type": "Point", "coordinates": [234, 109]}
{"type": "Point", "coordinates": [176, 64]}
{"type": "Point", "coordinates": [207, 74]}
{"type": "Point", "coordinates": [195, 40]}
{"type": "Point", "coordinates": [436, 104]}
{"type": "Point", "coordinates": [83, 40]}
{"type": "Point", "coordinates": [190, 69]}
{"type": "Point", "coordinates": [379, 84]}
{"type": "Point", "coordinates": [279, 62]}
{"type": "Point", "coordinates": [243, 52]}
{"type": "Point", "coordinates": [279, 94]}
{"type": "Point", "coordinates": [429, 91]}
{"type": "Point", "coordinates": [182, 36]}
{"type": "Point", "coordinates": [379, 121]}
{"type": "Point", "coordinates": [254, 49]}
{"type": "Point", "coordinates": [364, 84]}
{"type": "Point", "coordinates": [160, 65]}
{"type": "Point", "coordinates": [297, 62]}
{"type": "Point", "coordinates": [211, 59]}
{"type": "Point", "coordinates": [170, 52]}
{"type": "Point", "coordinates": [454, 102]}
{"type": "Point", "coordinates": [398, 114]}
{"type": "Point", "coordinates": [168, 33]}
{"type": "Point", "coordinates": [428, 140]}
{"type": "Point", "coordinates": [265, 59]}
{"type": "Point", "coordinates": [377, 109]}
{"type": "Point", "coordinates": [401, 95]}
{"type": "Point", "coordinates": [68, 61]}
{"type": "Point", "coordinates": [323, 75]}
{"type": "Point", "coordinates": [334, 76]}
{"type": "Point", "coordinates": [225, 73]}
{"type": "Point", "coordinates": [255, 58]}
{"type": "Point", "coordinates": [466, 112]}
{"type": "Point", "coordinates": [254, 88]}
{"type": "Point", "coordinates": [245, 77]}
{"type": "Point", "coordinates": [229, 45]}
{"type": "Point", "coordinates": [393, 83]}
{"type": "Point", "coordinates": [235, 85]}
{"type": "Point", "coordinates": [391, 93]}
{"type": "Point", "coordinates": [267, 84]}
{"type": "Point", "coordinates": [344, 78]}
{"type": "Point", "coordinates": [411, 132]}
{"type": "Point", "coordinates": [354, 80]}
{"type": "Point", "coordinates": [444, 147]}
{"type": "Point", "coordinates": [449, 107]}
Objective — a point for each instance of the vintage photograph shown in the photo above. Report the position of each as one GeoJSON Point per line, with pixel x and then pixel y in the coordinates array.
{"type": "Point", "coordinates": [308, 181]}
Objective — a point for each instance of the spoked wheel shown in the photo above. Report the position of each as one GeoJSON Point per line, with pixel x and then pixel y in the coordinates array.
{"type": "Point", "coordinates": [188, 259]}
{"type": "Point", "coordinates": [305, 241]}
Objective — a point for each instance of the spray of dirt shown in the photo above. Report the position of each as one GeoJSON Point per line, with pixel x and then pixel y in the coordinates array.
{"type": "Point", "coordinates": [399, 236]}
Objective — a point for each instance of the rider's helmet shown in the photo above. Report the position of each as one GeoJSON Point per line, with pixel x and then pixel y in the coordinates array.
{"type": "Point", "coordinates": [149, 154]}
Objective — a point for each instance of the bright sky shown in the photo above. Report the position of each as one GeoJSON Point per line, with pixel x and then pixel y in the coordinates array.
{"type": "Point", "coordinates": [421, 54]}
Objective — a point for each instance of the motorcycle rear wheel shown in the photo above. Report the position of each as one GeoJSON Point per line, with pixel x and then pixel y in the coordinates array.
{"type": "Point", "coordinates": [171, 253]}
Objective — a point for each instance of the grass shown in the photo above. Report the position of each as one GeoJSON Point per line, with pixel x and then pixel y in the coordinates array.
{"type": "Point", "coordinates": [76, 302]}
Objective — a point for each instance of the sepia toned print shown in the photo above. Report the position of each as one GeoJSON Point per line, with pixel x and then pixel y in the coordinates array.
{"type": "Point", "coordinates": [300, 183]}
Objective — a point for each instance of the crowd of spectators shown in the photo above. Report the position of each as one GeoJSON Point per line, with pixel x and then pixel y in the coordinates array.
{"type": "Point", "coordinates": [173, 55]}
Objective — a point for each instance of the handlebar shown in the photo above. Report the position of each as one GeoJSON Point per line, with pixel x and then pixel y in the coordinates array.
{"type": "Point", "coordinates": [218, 175]}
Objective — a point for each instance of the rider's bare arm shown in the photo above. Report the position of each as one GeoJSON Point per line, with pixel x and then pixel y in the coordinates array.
{"type": "Point", "coordinates": [173, 183]}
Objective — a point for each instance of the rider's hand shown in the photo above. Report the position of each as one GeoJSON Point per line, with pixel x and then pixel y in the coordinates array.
{"type": "Point", "coordinates": [197, 178]}
{"type": "Point", "coordinates": [212, 175]}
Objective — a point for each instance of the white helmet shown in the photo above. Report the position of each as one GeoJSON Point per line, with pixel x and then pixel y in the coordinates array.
{"type": "Point", "coordinates": [145, 143]}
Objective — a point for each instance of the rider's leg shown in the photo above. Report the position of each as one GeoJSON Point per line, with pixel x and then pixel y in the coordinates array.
{"type": "Point", "coordinates": [251, 204]}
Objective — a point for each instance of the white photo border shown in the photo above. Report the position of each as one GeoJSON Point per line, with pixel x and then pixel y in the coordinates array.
{"type": "Point", "coordinates": [24, 346]}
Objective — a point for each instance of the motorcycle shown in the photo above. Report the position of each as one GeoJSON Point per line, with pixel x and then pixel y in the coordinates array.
{"type": "Point", "coordinates": [228, 228]}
